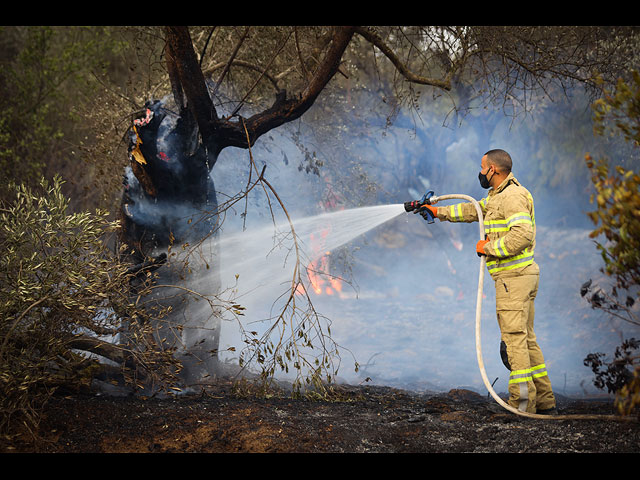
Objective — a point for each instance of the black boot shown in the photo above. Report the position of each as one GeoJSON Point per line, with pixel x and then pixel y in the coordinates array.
{"type": "Point", "coordinates": [548, 411]}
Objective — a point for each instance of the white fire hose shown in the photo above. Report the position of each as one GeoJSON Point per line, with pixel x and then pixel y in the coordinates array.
{"type": "Point", "coordinates": [433, 200]}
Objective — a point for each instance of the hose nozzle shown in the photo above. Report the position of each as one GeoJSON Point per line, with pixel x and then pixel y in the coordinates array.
{"type": "Point", "coordinates": [412, 205]}
{"type": "Point", "coordinates": [415, 206]}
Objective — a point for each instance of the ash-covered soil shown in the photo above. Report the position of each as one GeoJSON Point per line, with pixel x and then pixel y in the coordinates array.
{"type": "Point", "coordinates": [364, 419]}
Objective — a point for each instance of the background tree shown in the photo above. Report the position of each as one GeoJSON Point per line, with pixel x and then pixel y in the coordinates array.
{"type": "Point", "coordinates": [617, 234]}
{"type": "Point", "coordinates": [47, 74]}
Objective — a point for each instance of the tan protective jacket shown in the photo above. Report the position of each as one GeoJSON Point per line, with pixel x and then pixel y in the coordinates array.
{"type": "Point", "coordinates": [509, 221]}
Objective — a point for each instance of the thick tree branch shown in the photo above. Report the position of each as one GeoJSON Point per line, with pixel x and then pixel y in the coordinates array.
{"type": "Point", "coordinates": [285, 110]}
{"type": "Point", "coordinates": [174, 77]}
{"type": "Point", "coordinates": [100, 347]}
{"type": "Point", "coordinates": [191, 79]}
{"type": "Point", "coordinates": [186, 70]}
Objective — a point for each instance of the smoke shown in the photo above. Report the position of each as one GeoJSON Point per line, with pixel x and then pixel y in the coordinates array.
{"type": "Point", "coordinates": [406, 310]}
{"type": "Point", "coordinates": [408, 314]}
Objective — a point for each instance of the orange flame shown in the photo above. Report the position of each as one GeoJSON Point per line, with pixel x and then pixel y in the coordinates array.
{"type": "Point", "coordinates": [318, 270]}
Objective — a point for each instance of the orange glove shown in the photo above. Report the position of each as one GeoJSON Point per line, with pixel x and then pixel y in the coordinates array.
{"type": "Point", "coordinates": [480, 247]}
{"type": "Point", "coordinates": [434, 210]}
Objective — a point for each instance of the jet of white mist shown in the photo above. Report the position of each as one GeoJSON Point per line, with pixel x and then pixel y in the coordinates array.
{"type": "Point", "coordinates": [260, 262]}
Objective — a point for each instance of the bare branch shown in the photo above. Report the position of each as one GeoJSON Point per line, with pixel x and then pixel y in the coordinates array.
{"type": "Point", "coordinates": [242, 63]}
{"type": "Point", "coordinates": [377, 41]}
{"type": "Point", "coordinates": [231, 59]}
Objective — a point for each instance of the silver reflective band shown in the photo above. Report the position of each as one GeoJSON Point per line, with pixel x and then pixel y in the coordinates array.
{"type": "Point", "coordinates": [495, 227]}
{"type": "Point", "coordinates": [518, 376]}
{"type": "Point", "coordinates": [520, 219]}
{"type": "Point", "coordinates": [539, 371]}
{"type": "Point", "coordinates": [524, 397]}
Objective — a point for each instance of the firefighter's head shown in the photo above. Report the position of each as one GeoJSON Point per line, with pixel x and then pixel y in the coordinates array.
{"type": "Point", "coordinates": [495, 166]}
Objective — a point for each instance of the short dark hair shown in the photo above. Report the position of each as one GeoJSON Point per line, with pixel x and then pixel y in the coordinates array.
{"type": "Point", "coordinates": [500, 159]}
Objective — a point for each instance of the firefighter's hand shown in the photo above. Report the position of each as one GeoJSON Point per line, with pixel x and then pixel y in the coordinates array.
{"type": "Point", "coordinates": [428, 208]}
{"type": "Point", "coordinates": [480, 247]}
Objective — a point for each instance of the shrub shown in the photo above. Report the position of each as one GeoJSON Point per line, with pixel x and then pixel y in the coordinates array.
{"type": "Point", "coordinates": [65, 297]}
{"type": "Point", "coordinates": [617, 219]}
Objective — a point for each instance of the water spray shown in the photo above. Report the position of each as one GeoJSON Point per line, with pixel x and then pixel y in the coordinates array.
{"type": "Point", "coordinates": [417, 206]}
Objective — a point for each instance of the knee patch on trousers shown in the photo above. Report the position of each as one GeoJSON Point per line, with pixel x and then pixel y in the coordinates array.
{"type": "Point", "coordinates": [504, 356]}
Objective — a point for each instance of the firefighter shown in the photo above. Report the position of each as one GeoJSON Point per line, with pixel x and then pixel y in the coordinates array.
{"type": "Point", "coordinates": [509, 220]}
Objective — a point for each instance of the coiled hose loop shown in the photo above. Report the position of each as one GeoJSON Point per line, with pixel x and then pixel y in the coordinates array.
{"type": "Point", "coordinates": [483, 372]}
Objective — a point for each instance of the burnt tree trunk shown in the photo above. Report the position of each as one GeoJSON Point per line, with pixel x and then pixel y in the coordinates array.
{"type": "Point", "coordinates": [169, 196]}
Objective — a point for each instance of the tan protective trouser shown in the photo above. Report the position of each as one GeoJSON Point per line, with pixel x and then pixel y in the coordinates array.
{"type": "Point", "coordinates": [529, 384]}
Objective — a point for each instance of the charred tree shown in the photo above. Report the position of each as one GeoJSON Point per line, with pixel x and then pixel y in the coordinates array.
{"type": "Point", "coordinates": [169, 196]}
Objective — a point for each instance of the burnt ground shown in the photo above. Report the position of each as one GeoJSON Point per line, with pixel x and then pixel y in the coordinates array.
{"type": "Point", "coordinates": [363, 419]}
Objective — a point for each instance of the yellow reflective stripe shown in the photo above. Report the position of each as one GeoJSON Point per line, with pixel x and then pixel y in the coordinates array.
{"type": "Point", "coordinates": [505, 225]}
{"type": "Point", "coordinates": [539, 370]}
{"type": "Point", "coordinates": [456, 212]}
{"type": "Point", "coordinates": [520, 217]}
{"type": "Point", "coordinates": [520, 376]}
{"type": "Point", "coordinates": [499, 247]}
{"type": "Point", "coordinates": [527, 374]}
{"type": "Point", "coordinates": [522, 260]}
{"type": "Point", "coordinates": [496, 226]}
{"type": "Point", "coordinates": [459, 211]}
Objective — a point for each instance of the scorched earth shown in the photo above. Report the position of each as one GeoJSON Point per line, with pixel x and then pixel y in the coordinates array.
{"type": "Point", "coordinates": [361, 419]}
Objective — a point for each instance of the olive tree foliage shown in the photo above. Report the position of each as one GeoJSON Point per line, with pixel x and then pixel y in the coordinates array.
{"type": "Point", "coordinates": [65, 295]}
{"type": "Point", "coordinates": [256, 69]}
{"type": "Point", "coordinates": [617, 196]}
{"type": "Point", "coordinates": [617, 234]}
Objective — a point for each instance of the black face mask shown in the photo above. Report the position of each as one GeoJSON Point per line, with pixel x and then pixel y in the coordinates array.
{"type": "Point", "coordinates": [484, 181]}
